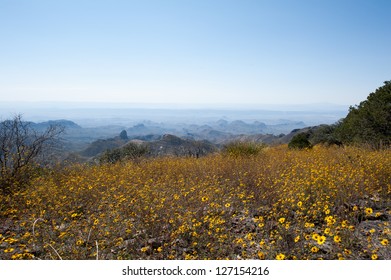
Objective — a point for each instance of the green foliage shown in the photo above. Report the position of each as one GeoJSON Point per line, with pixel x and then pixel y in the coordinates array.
{"type": "Point", "coordinates": [324, 134]}
{"type": "Point", "coordinates": [241, 148]}
{"type": "Point", "coordinates": [300, 141]}
{"type": "Point", "coordinates": [370, 121]}
{"type": "Point", "coordinates": [130, 151]}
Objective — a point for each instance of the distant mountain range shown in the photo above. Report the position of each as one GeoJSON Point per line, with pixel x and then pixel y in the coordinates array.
{"type": "Point", "coordinates": [64, 123]}
{"type": "Point", "coordinates": [170, 139]}
{"type": "Point", "coordinates": [216, 132]}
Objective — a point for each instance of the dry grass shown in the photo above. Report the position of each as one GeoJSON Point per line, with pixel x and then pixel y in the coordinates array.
{"type": "Point", "coordinates": [324, 203]}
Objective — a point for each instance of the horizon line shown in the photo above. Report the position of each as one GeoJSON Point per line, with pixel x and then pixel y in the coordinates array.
{"type": "Point", "coordinates": [167, 104]}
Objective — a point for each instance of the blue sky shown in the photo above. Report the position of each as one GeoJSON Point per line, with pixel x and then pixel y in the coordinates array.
{"type": "Point", "coordinates": [194, 51]}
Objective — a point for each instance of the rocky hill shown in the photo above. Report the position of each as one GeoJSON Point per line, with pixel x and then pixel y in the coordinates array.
{"type": "Point", "coordinates": [102, 145]}
{"type": "Point", "coordinates": [173, 145]}
{"type": "Point", "coordinates": [165, 145]}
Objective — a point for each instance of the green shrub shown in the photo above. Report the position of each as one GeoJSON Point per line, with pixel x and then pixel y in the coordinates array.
{"type": "Point", "coordinates": [130, 151]}
{"type": "Point", "coordinates": [300, 141]}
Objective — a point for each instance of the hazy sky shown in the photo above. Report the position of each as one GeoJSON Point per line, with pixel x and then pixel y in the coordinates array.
{"type": "Point", "coordinates": [194, 51]}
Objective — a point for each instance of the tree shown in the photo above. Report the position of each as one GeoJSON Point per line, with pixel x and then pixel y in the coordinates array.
{"type": "Point", "coordinates": [300, 141]}
{"type": "Point", "coordinates": [324, 134]}
{"type": "Point", "coordinates": [370, 121]}
{"type": "Point", "coordinates": [22, 149]}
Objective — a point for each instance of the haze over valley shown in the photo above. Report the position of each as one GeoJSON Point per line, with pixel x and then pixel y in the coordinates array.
{"type": "Point", "coordinates": [89, 122]}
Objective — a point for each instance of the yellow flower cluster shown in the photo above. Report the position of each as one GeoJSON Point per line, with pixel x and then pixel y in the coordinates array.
{"type": "Point", "coordinates": [280, 204]}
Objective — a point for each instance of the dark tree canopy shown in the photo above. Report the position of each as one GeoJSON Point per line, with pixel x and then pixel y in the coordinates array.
{"type": "Point", "coordinates": [300, 141]}
{"type": "Point", "coordinates": [370, 121]}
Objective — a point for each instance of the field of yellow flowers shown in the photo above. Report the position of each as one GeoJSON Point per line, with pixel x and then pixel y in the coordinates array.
{"type": "Point", "coordinates": [323, 203]}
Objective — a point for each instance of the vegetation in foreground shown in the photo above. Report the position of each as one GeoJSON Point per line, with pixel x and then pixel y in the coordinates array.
{"type": "Point", "coordinates": [322, 203]}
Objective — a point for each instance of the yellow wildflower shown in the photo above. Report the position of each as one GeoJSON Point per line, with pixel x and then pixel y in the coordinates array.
{"type": "Point", "coordinates": [9, 250]}
{"type": "Point", "coordinates": [368, 211]}
{"type": "Point", "coordinates": [321, 239]}
{"type": "Point", "coordinates": [384, 242]}
{"type": "Point", "coordinates": [347, 251]}
{"type": "Point", "coordinates": [314, 249]}
{"type": "Point", "coordinates": [17, 257]}
{"type": "Point", "coordinates": [315, 236]}
{"type": "Point", "coordinates": [330, 220]}
{"type": "Point", "coordinates": [261, 255]}
{"type": "Point", "coordinates": [79, 242]}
